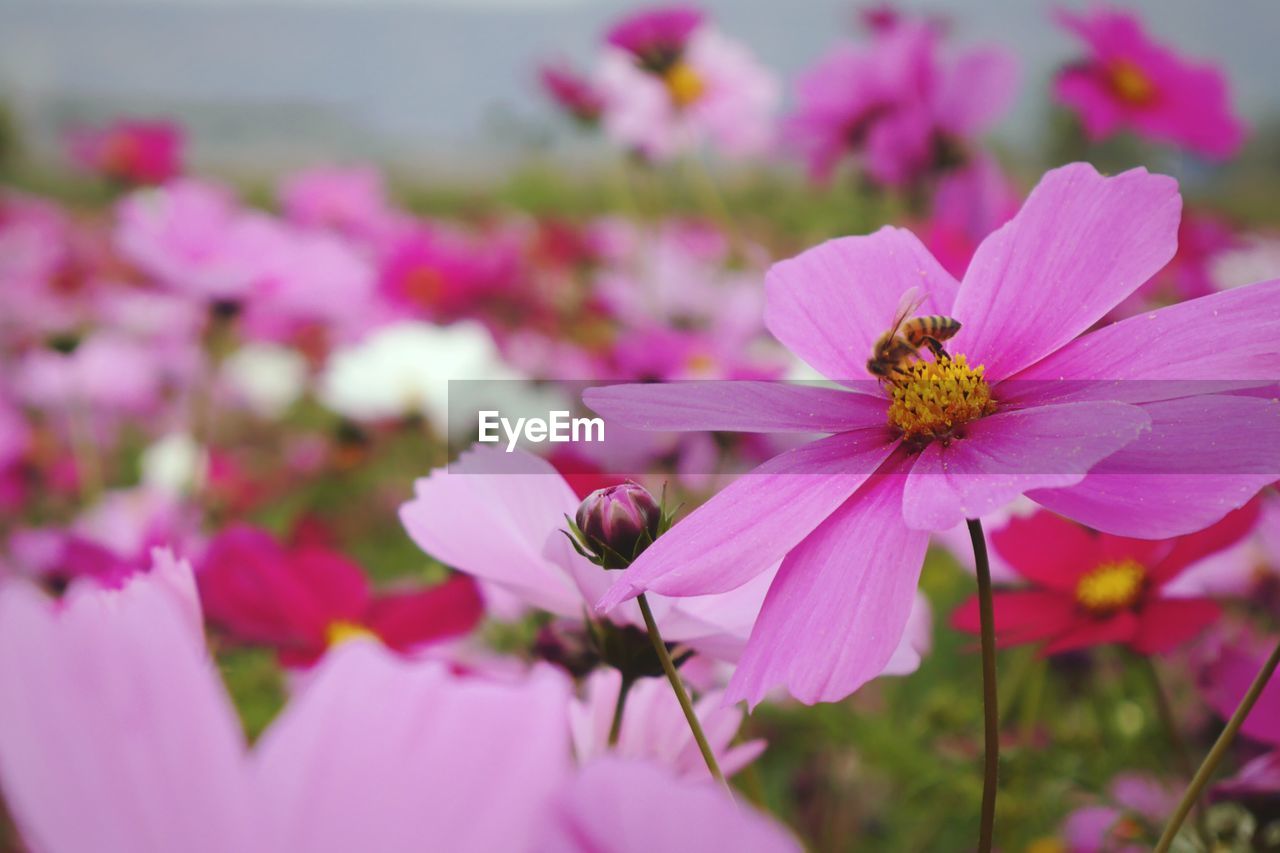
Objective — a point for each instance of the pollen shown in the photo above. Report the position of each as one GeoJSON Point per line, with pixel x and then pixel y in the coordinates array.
{"type": "Point", "coordinates": [932, 399]}
{"type": "Point", "coordinates": [1111, 586]}
{"type": "Point", "coordinates": [341, 631]}
{"type": "Point", "coordinates": [1131, 83]}
{"type": "Point", "coordinates": [683, 84]}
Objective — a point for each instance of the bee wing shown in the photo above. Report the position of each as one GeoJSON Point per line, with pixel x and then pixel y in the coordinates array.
{"type": "Point", "coordinates": [912, 298]}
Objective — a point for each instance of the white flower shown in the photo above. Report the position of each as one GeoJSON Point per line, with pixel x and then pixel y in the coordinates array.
{"type": "Point", "coordinates": [1257, 260]}
{"type": "Point", "coordinates": [266, 377]}
{"type": "Point", "coordinates": [405, 369]}
{"type": "Point", "coordinates": [174, 464]}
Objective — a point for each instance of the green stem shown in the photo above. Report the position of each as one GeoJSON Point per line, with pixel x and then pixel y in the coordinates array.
{"type": "Point", "coordinates": [682, 695]}
{"type": "Point", "coordinates": [615, 728]}
{"type": "Point", "coordinates": [1218, 752]}
{"type": "Point", "coordinates": [990, 700]}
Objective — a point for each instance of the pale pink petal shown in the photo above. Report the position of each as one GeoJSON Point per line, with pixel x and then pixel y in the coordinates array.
{"type": "Point", "coordinates": [736, 407]}
{"type": "Point", "coordinates": [381, 753]}
{"type": "Point", "coordinates": [1202, 458]}
{"type": "Point", "coordinates": [1008, 453]}
{"type": "Point", "coordinates": [839, 606]}
{"type": "Point", "coordinates": [748, 527]}
{"type": "Point", "coordinates": [618, 806]}
{"type": "Point", "coordinates": [1188, 348]}
{"type": "Point", "coordinates": [115, 732]}
{"type": "Point", "coordinates": [1080, 244]}
{"type": "Point", "coordinates": [917, 639]}
{"type": "Point", "coordinates": [490, 514]}
{"type": "Point", "coordinates": [977, 91]}
{"type": "Point", "coordinates": [831, 303]}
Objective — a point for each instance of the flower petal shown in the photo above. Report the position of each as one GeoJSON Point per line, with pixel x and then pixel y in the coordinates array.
{"type": "Point", "coordinates": [406, 620]}
{"type": "Point", "coordinates": [753, 523]}
{"type": "Point", "coordinates": [839, 606]}
{"type": "Point", "coordinates": [1118, 628]}
{"type": "Point", "coordinates": [1004, 455]}
{"type": "Point", "coordinates": [736, 407]}
{"type": "Point", "coordinates": [1021, 616]}
{"type": "Point", "coordinates": [1195, 547]}
{"type": "Point", "coordinates": [347, 763]}
{"type": "Point", "coordinates": [1166, 623]}
{"type": "Point", "coordinates": [1203, 457]}
{"type": "Point", "coordinates": [831, 303]}
{"type": "Point", "coordinates": [1190, 348]}
{"type": "Point", "coordinates": [1080, 244]}
{"type": "Point", "coordinates": [495, 525]}
{"type": "Point", "coordinates": [1047, 550]}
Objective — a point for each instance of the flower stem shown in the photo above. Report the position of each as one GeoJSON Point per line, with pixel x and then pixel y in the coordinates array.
{"type": "Point", "coordinates": [990, 701]}
{"type": "Point", "coordinates": [1218, 752]}
{"type": "Point", "coordinates": [615, 728]}
{"type": "Point", "coordinates": [682, 695]}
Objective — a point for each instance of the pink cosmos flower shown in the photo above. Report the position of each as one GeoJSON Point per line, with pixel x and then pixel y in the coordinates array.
{"type": "Point", "coordinates": [1027, 402]}
{"type": "Point", "coordinates": [302, 601]}
{"type": "Point", "coordinates": [191, 236]}
{"type": "Point", "coordinates": [107, 373]}
{"type": "Point", "coordinates": [1092, 589]}
{"type": "Point", "coordinates": [1137, 808]}
{"type": "Point", "coordinates": [1128, 80]}
{"type": "Point", "coordinates": [572, 92]}
{"type": "Point", "coordinates": [671, 82]}
{"type": "Point", "coordinates": [654, 727]}
{"type": "Point", "coordinates": [136, 152]}
{"type": "Point", "coordinates": [1223, 684]}
{"type": "Point", "coordinates": [896, 105]}
{"type": "Point", "coordinates": [1248, 570]}
{"type": "Point", "coordinates": [500, 518]}
{"type": "Point", "coordinates": [442, 274]}
{"type": "Point", "coordinates": [122, 738]}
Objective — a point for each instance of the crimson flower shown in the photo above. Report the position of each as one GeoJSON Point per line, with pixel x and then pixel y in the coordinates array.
{"type": "Point", "coordinates": [1089, 589]}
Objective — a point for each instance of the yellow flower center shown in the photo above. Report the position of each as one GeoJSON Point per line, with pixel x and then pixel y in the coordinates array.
{"type": "Point", "coordinates": [341, 631]}
{"type": "Point", "coordinates": [1131, 84]}
{"type": "Point", "coordinates": [683, 84]}
{"type": "Point", "coordinates": [932, 399]}
{"type": "Point", "coordinates": [1111, 586]}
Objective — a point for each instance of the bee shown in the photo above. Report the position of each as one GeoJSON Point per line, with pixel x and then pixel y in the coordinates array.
{"type": "Point", "coordinates": [906, 336]}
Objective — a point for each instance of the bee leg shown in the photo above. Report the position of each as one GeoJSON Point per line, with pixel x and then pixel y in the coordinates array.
{"type": "Point", "coordinates": [935, 347]}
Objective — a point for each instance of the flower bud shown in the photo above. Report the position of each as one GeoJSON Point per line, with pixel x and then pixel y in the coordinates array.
{"type": "Point", "coordinates": [617, 523]}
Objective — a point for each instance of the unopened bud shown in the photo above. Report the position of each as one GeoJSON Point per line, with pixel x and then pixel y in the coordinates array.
{"type": "Point", "coordinates": [617, 523]}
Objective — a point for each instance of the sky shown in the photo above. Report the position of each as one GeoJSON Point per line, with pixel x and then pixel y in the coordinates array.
{"type": "Point", "coordinates": [451, 77]}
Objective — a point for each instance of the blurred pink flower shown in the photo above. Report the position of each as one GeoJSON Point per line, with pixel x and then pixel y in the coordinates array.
{"type": "Point", "coordinates": [654, 727]}
{"type": "Point", "coordinates": [135, 152]}
{"type": "Point", "coordinates": [192, 236]}
{"type": "Point", "coordinates": [304, 600]}
{"type": "Point", "coordinates": [121, 737]}
{"type": "Point", "coordinates": [1037, 412]}
{"type": "Point", "coordinates": [897, 105]}
{"type": "Point", "coordinates": [107, 373]}
{"type": "Point", "coordinates": [1090, 589]}
{"type": "Point", "coordinates": [572, 92]}
{"type": "Point", "coordinates": [1224, 683]}
{"type": "Point", "coordinates": [671, 82]}
{"type": "Point", "coordinates": [1129, 80]}
{"type": "Point", "coordinates": [500, 517]}
{"type": "Point", "coordinates": [442, 274]}
{"type": "Point", "coordinates": [1137, 808]}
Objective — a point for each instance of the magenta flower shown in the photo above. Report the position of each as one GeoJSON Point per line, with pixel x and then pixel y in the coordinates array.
{"type": "Point", "coordinates": [969, 203]}
{"type": "Point", "coordinates": [670, 82]}
{"type": "Point", "coordinates": [1135, 809]}
{"type": "Point", "coordinates": [1092, 589]}
{"type": "Point", "coordinates": [896, 105]}
{"type": "Point", "coordinates": [303, 601]}
{"type": "Point", "coordinates": [1223, 684]}
{"type": "Point", "coordinates": [1128, 80]}
{"type": "Point", "coordinates": [116, 734]}
{"type": "Point", "coordinates": [135, 152]}
{"type": "Point", "coordinates": [1027, 402]}
{"type": "Point", "coordinates": [572, 92]}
